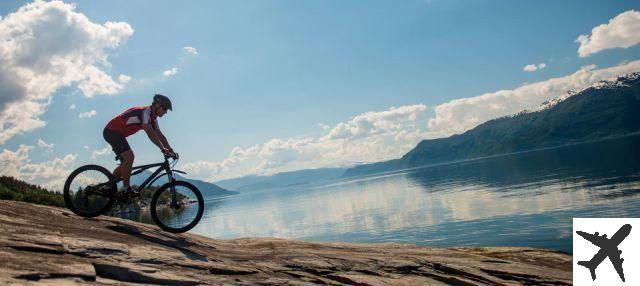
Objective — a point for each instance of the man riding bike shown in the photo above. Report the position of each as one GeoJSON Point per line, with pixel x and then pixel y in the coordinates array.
{"type": "Point", "coordinates": [129, 122]}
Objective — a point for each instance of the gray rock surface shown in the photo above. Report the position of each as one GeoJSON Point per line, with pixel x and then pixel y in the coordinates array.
{"type": "Point", "coordinates": [52, 246]}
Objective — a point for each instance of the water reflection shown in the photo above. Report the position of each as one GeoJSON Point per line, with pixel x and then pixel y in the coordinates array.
{"type": "Point", "coordinates": [141, 215]}
{"type": "Point", "coordinates": [526, 199]}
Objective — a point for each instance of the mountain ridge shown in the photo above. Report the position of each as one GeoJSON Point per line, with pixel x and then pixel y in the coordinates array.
{"type": "Point", "coordinates": [282, 179]}
{"type": "Point", "coordinates": [607, 108]}
{"type": "Point", "coordinates": [207, 189]}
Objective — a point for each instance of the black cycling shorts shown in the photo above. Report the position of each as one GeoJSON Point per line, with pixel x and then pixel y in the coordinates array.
{"type": "Point", "coordinates": [117, 141]}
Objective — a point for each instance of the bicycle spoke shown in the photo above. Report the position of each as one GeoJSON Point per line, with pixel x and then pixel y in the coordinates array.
{"type": "Point", "coordinates": [178, 210]}
{"type": "Point", "coordinates": [84, 193]}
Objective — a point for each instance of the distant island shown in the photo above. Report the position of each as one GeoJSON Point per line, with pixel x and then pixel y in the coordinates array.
{"type": "Point", "coordinates": [607, 108]}
{"type": "Point", "coordinates": [208, 190]}
{"type": "Point", "coordinates": [281, 180]}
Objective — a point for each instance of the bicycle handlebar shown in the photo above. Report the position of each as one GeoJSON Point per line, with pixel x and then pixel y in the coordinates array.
{"type": "Point", "coordinates": [173, 156]}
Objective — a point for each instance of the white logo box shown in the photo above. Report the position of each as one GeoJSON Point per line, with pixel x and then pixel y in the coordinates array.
{"type": "Point", "coordinates": [583, 250]}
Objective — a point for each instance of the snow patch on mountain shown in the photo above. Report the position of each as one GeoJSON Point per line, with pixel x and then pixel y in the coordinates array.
{"type": "Point", "coordinates": [610, 83]}
{"type": "Point", "coordinates": [616, 82]}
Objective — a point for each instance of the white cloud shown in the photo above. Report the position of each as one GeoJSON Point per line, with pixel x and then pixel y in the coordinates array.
{"type": "Point", "coordinates": [190, 50]}
{"type": "Point", "coordinates": [100, 152]}
{"type": "Point", "coordinates": [459, 115]}
{"type": "Point", "coordinates": [45, 46]}
{"type": "Point", "coordinates": [212, 169]}
{"type": "Point", "coordinates": [324, 126]}
{"type": "Point", "coordinates": [622, 31]}
{"type": "Point", "coordinates": [371, 123]}
{"type": "Point", "coordinates": [383, 135]}
{"type": "Point", "coordinates": [410, 135]}
{"type": "Point", "coordinates": [370, 136]}
{"type": "Point", "coordinates": [170, 72]}
{"type": "Point", "coordinates": [123, 78]}
{"type": "Point", "coordinates": [98, 82]}
{"type": "Point", "coordinates": [72, 106]}
{"type": "Point", "coordinates": [530, 68]}
{"type": "Point", "coordinates": [88, 114]}
{"type": "Point", "coordinates": [534, 67]}
{"type": "Point", "coordinates": [50, 174]}
{"type": "Point", "coordinates": [44, 145]}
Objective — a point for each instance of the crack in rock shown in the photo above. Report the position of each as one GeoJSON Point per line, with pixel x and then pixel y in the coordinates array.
{"type": "Point", "coordinates": [39, 276]}
{"type": "Point", "coordinates": [305, 276]}
{"type": "Point", "coordinates": [125, 274]}
{"type": "Point", "coordinates": [304, 268]}
{"type": "Point", "coordinates": [453, 271]}
{"type": "Point", "coordinates": [368, 272]}
{"type": "Point", "coordinates": [178, 243]}
{"type": "Point", "coordinates": [450, 280]}
{"type": "Point", "coordinates": [496, 261]}
{"type": "Point", "coordinates": [230, 270]}
{"type": "Point", "coordinates": [526, 279]}
{"type": "Point", "coordinates": [343, 279]}
{"type": "Point", "coordinates": [37, 248]}
{"type": "Point", "coordinates": [97, 252]}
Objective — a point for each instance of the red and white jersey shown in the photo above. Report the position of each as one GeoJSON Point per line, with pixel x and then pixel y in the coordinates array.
{"type": "Point", "coordinates": [130, 121]}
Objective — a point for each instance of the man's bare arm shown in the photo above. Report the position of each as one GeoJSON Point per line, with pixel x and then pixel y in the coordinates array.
{"type": "Point", "coordinates": [163, 139]}
{"type": "Point", "coordinates": [153, 136]}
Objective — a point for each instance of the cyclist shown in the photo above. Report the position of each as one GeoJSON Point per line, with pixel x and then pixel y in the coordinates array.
{"type": "Point", "coordinates": [129, 122]}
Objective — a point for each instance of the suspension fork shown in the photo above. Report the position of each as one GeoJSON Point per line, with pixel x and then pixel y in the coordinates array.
{"type": "Point", "coordinates": [172, 188]}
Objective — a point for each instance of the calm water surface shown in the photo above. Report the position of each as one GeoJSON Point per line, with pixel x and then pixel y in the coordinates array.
{"type": "Point", "coordinates": [526, 199]}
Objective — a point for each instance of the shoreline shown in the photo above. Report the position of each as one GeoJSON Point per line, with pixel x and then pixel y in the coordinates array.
{"type": "Point", "coordinates": [52, 245]}
{"type": "Point", "coordinates": [479, 158]}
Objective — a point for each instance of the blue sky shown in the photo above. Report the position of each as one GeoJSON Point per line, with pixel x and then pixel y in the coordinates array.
{"type": "Point", "coordinates": [305, 84]}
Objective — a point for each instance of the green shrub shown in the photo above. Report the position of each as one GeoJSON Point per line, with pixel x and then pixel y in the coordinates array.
{"type": "Point", "coordinates": [18, 190]}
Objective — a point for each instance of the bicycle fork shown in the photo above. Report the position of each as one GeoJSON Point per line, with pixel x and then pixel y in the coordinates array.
{"type": "Point", "coordinates": [172, 190]}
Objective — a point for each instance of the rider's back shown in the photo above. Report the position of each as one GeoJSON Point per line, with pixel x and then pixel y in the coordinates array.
{"type": "Point", "coordinates": [130, 121]}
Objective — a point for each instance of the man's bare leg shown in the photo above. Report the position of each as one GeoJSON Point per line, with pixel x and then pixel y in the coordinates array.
{"type": "Point", "coordinates": [125, 167]}
{"type": "Point", "coordinates": [116, 172]}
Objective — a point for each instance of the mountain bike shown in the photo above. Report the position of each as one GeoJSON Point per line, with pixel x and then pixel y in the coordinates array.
{"type": "Point", "coordinates": [176, 206]}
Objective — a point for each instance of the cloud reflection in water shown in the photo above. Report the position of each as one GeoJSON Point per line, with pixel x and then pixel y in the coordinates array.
{"type": "Point", "coordinates": [510, 200]}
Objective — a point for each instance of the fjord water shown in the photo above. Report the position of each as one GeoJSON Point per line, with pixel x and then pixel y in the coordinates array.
{"type": "Point", "coordinates": [524, 199]}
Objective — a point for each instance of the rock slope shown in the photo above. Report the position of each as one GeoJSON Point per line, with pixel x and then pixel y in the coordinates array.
{"type": "Point", "coordinates": [52, 246]}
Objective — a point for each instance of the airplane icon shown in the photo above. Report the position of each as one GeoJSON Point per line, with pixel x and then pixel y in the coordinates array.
{"type": "Point", "coordinates": [608, 248]}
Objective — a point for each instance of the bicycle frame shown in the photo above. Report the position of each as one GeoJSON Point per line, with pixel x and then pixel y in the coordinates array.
{"type": "Point", "coordinates": [164, 166]}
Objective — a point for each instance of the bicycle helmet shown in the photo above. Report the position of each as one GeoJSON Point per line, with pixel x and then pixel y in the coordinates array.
{"type": "Point", "coordinates": [163, 101]}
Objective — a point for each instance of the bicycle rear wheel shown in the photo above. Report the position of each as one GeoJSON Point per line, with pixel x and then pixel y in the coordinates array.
{"type": "Point", "coordinates": [177, 207]}
{"type": "Point", "coordinates": [89, 191]}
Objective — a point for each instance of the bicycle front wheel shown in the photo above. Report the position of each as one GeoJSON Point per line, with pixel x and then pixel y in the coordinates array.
{"type": "Point", "coordinates": [177, 207]}
{"type": "Point", "coordinates": [89, 190]}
